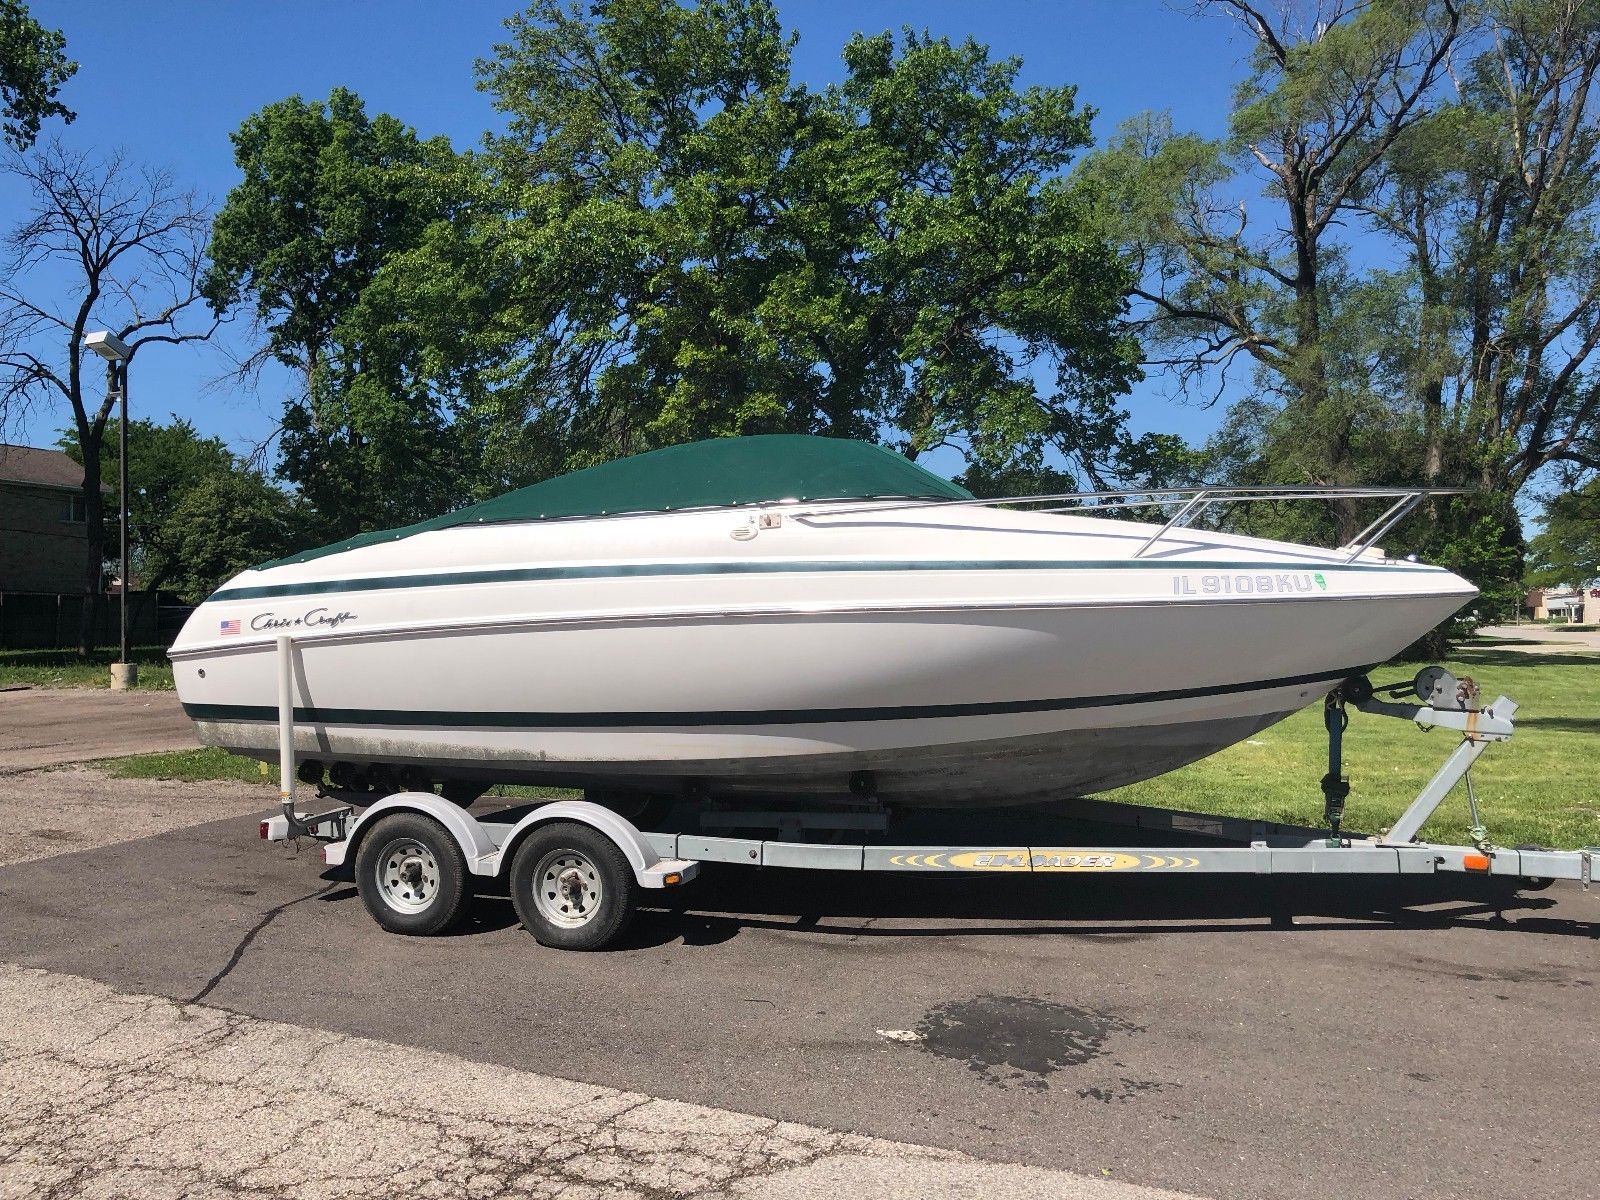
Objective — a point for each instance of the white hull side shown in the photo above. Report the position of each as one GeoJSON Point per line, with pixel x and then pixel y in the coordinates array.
{"type": "Point", "coordinates": [963, 707]}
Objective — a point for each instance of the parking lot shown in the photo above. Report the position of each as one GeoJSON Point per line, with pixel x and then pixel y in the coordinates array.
{"type": "Point", "coordinates": [776, 1032]}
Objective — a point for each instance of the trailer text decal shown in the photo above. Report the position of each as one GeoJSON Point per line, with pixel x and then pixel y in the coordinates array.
{"type": "Point", "coordinates": [1042, 859]}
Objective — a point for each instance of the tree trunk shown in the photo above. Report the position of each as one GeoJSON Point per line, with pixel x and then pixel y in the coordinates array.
{"type": "Point", "coordinates": [95, 551]}
{"type": "Point", "coordinates": [1310, 364]}
{"type": "Point", "coordinates": [1434, 333]}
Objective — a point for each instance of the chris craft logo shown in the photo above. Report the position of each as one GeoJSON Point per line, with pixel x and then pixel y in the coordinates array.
{"type": "Point", "coordinates": [1281, 583]}
{"type": "Point", "coordinates": [317, 618]}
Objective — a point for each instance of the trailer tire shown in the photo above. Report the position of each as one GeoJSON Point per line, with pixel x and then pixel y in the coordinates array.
{"type": "Point", "coordinates": [573, 886]}
{"type": "Point", "coordinates": [412, 875]}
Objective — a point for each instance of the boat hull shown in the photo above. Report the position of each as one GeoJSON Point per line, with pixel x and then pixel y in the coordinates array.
{"type": "Point", "coordinates": [985, 702]}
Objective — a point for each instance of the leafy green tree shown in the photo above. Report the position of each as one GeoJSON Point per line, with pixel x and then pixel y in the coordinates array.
{"type": "Point", "coordinates": [1567, 552]}
{"type": "Point", "coordinates": [329, 196]}
{"type": "Point", "coordinates": [1226, 280]}
{"type": "Point", "coordinates": [678, 241]}
{"type": "Point", "coordinates": [1454, 343]}
{"type": "Point", "coordinates": [33, 67]}
{"type": "Point", "coordinates": [166, 463]}
{"type": "Point", "coordinates": [224, 524]}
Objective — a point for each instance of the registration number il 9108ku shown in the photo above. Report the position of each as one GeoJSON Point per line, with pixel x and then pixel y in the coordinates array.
{"type": "Point", "coordinates": [1277, 583]}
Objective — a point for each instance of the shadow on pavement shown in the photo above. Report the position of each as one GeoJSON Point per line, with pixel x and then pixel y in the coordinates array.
{"type": "Point", "coordinates": [727, 901]}
{"type": "Point", "coordinates": [1481, 657]}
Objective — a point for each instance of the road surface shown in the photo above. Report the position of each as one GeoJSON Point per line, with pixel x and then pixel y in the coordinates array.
{"type": "Point", "coordinates": [192, 1009]}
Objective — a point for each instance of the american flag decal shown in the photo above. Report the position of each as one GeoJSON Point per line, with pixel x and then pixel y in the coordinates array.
{"type": "Point", "coordinates": [230, 627]}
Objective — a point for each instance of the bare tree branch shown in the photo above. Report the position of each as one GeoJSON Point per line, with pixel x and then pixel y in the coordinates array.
{"type": "Point", "coordinates": [132, 246]}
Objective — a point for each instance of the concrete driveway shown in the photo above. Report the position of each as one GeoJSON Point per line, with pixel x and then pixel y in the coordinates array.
{"type": "Point", "coordinates": [42, 727]}
{"type": "Point", "coordinates": [1142, 1033]}
{"type": "Point", "coordinates": [1540, 639]}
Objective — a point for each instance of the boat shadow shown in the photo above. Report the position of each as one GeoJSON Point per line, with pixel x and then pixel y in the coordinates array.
{"type": "Point", "coordinates": [843, 907]}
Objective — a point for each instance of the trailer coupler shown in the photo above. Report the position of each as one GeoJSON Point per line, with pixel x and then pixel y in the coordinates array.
{"type": "Point", "coordinates": [330, 826]}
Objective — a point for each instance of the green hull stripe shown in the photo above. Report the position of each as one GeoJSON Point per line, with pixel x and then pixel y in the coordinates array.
{"type": "Point", "coordinates": [686, 720]}
{"type": "Point", "coordinates": [385, 583]}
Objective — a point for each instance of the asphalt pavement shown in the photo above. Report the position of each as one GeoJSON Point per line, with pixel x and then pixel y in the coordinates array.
{"type": "Point", "coordinates": [1143, 1032]}
{"type": "Point", "coordinates": [43, 727]}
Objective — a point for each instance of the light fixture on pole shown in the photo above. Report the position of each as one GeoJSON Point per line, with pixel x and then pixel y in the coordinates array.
{"type": "Point", "coordinates": [116, 352]}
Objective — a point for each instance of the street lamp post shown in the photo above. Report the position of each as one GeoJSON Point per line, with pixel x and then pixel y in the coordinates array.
{"type": "Point", "coordinates": [117, 354]}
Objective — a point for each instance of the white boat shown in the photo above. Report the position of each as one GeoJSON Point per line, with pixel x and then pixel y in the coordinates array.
{"type": "Point", "coordinates": [790, 617]}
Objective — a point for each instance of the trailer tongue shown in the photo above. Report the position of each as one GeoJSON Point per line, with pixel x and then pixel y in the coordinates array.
{"type": "Point", "coordinates": [576, 868]}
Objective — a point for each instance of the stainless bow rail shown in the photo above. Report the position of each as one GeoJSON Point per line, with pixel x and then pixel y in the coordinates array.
{"type": "Point", "coordinates": [1192, 503]}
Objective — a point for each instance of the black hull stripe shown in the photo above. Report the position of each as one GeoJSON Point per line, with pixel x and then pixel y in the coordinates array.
{"type": "Point", "coordinates": [440, 718]}
{"type": "Point", "coordinates": [655, 570]}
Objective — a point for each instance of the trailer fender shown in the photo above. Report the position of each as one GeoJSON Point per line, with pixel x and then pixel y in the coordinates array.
{"type": "Point", "coordinates": [649, 868]}
{"type": "Point", "coordinates": [473, 839]}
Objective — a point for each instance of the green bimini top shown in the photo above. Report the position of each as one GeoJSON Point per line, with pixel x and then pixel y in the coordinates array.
{"type": "Point", "coordinates": [712, 474]}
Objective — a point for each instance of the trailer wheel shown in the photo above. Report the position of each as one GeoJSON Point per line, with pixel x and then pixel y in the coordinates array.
{"type": "Point", "coordinates": [573, 887]}
{"type": "Point", "coordinates": [411, 874]}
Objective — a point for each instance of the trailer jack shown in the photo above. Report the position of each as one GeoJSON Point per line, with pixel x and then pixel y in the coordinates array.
{"type": "Point", "coordinates": [1335, 784]}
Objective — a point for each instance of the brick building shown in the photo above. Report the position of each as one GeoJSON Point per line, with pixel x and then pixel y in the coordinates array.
{"type": "Point", "coordinates": [43, 537]}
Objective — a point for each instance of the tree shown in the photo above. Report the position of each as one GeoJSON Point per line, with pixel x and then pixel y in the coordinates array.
{"type": "Point", "coordinates": [1528, 229]}
{"type": "Point", "coordinates": [130, 246]}
{"type": "Point", "coordinates": [224, 524]}
{"type": "Point", "coordinates": [33, 67]}
{"type": "Point", "coordinates": [166, 465]}
{"type": "Point", "coordinates": [677, 241]}
{"type": "Point", "coordinates": [329, 196]}
{"type": "Point", "coordinates": [1451, 333]}
{"type": "Point", "coordinates": [1329, 93]}
{"type": "Point", "coordinates": [1567, 552]}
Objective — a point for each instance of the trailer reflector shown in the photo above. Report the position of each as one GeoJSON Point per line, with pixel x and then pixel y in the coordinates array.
{"type": "Point", "coordinates": [264, 830]}
{"type": "Point", "coordinates": [1475, 862]}
{"type": "Point", "coordinates": [672, 878]}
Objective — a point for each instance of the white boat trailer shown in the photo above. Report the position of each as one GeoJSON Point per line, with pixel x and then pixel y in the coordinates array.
{"type": "Point", "coordinates": [576, 867]}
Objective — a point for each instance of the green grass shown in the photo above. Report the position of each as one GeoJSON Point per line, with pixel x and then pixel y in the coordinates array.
{"type": "Point", "coordinates": [63, 668]}
{"type": "Point", "coordinates": [191, 766]}
{"type": "Point", "coordinates": [1542, 787]}
{"type": "Point", "coordinates": [210, 763]}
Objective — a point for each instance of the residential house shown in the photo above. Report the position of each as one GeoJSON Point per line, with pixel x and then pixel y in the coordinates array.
{"type": "Point", "coordinates": [43, 535]}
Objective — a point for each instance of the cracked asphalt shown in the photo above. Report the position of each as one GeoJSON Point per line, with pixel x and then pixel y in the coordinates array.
{"type": "Point", "coordinates": [124, 1095]}
{"type": "Point", "coordinates": [188, 1011]}
{"type": "Point", "coordinates": [116, 1095]}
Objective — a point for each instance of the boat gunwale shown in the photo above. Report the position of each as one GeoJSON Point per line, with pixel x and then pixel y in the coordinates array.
{"type": "Point", "coordinates": [632, 569]}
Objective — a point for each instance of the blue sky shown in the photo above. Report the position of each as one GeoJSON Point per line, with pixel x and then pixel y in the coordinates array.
{"type": "Point", "coordinates": [168, 82]}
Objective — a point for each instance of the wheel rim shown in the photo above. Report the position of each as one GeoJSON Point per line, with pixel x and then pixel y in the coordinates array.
{"type": "Point", "coordinates": [567, 889]}
{"type": "Point", "coordinates": [408, 875]}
